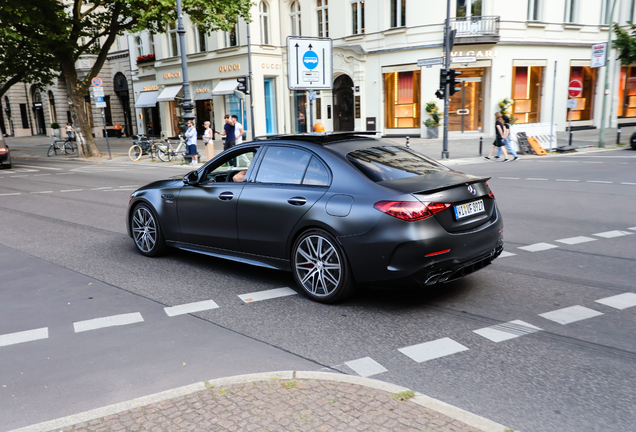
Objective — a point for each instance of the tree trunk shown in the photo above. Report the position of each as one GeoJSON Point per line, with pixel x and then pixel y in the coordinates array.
{"type": "Point", "coordinates": [86, 146]}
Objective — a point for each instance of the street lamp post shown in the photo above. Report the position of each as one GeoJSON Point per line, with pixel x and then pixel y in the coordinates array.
{"type": "Point", "coordinates": [447, 40]}
{"type": "Point", "coordinates": [601, 138]}
{"type": "Point", "coordinates": [187, 104]}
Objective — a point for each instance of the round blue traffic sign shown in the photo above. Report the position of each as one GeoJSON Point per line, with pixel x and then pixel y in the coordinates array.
{"type": "Point", "coordinates": [310, 60]}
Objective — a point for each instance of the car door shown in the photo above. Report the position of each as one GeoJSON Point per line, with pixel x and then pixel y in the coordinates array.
{"type": "Point", "coordinates": [207, 210]}
{"type": "Point", "coordinates": [288, 183]}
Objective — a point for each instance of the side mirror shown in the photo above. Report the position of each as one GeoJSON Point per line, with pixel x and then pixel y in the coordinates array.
{"type": "Point", "coordinates": [192, 178]}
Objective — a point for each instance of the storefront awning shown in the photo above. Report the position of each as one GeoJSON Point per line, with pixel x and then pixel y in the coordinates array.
{"type": "Point", "coordinates": [168, 94]}
{"type": "Point", "coordinates": [201, 90]}
{"type": "Point", "coordinates": [225, 87]}
{"type": "Point", "coordinates": [147, 99]}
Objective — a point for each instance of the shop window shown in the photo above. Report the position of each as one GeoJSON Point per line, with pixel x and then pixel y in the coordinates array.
{"type": "Point", "coordinates": [263, 10]}
{"type": "Point", "coordinates": [398, 13]}
{"type": "Point", "coordinates": [627, 92]}
{"type": "Point", "coordinates": [176, 117]}
{"type": "Point", "coordinates": [526, 93]}
{"type": "Point", "coordinates": [299, 111]}
{"type": "Point", "coordinates": [585, 107]}
{"type": "Point", "coordinates": [236, 106]}
{"type": "Point", "coordinates": [357, 17]}
{"type": "Point", "coordinates": [322, 8]}
{"type": "Point", "coordinates": [402, 99]}
{"type": "Point", "coordinates": [24, 116]}
{"type": "Point", "coordinates": [294, 14]}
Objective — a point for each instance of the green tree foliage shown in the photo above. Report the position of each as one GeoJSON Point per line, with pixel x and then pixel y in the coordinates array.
{"type": "Point", "coordinates": [68, 29]}
{"type": "Point", "coordinates": [626, 43]}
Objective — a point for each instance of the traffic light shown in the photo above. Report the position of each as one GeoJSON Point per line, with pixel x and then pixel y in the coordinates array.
{"type": "Point", "coordinates": [243, 86]}
{"type": "Point", "coordinates": [440, 93]}
{"type": "Point", "coordinates": [453, 82]}
{"type": "Point", "coordinates": [444, 78]}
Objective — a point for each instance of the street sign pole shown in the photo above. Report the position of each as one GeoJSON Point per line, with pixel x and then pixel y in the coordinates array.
{"type": "Point", "coordinates": [249, 68]}
{"type": "Point", "coordinates": [447, 51]}
{"type": "Point", "coordinates": [601, 136]}
{"type": "Point", "coordinates": [311, 112]}
{"type": "Point", "coordinates": [106, 133]}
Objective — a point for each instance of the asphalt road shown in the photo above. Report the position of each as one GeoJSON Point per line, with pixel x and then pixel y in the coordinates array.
{"type": "Point", "coordinates": [67, 259]}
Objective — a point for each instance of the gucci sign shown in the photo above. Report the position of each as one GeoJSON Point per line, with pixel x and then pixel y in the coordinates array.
{"type": "Point", "coordinates": [270, 66]}
{"type": "Point", "coordinates": [172, 75]}
{"type": "Point", "coordinates": [203, 90]}
{"type": "Point", "coordinates": [152, 87]}
{"type": "Point", "coordinates": [231, 67]}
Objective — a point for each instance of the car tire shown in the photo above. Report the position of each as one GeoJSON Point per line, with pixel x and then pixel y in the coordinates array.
{"type": "Point", "coordinates": [320, 267]}
{"type": "Point", "coordinates": [146, 231]}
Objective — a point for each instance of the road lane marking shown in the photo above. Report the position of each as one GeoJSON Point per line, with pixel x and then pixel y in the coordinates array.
{"type": "Point", "coordinates": [119, 190]}
{"type": "Point", "coordinates": [509, 178]}
{"type": "Point", "coordinates": [592, 162]}
{"type": "Point", "coordinates": [537, 179]}
{"type": "Point", "coordinates": [576, 240]}
{"type": "Point", "coordinates": [24, 336]}
{"type": "Point", "coordinates": [620, 301]}
{"type": "Point", "coordinates": [632, 228]}
{"type": "Point", "coordinates": [431, 350]}
{"type": "Point", "coordinates": [102, 188]}
{"type": "Point", "coordinates": [505, 254]}
{"type": "Point", "coordinates": [69, 173]}
{"type": "Point", "coordinates": [612, 234]}
{"type": "Point", "coordinates": [506, 331]}
{"type": "Point", "coordinates": [129, 186]}
{"type": "Point", "coordinates": [567, 180]}
{"type": "Point", "coordinates": [599, 181]}
{"type": "Point", "coordinates": [266, 295]}
{"type": "Point", "coordinates": [366, 367]}
{"type": "Point", "coordinates": [570, 314]}
{"type": "Point", "coordinates": [190, 308]}
{"type": "Point", "coordinates": [71, 190]}
{"type": "Point", "coordinates": [628, 183]}
{"type": "Point", "coordinates": [22, 175]}
{"type": "Point", "coordinates": [109, 321]}
{"type": "Point", "coordinates": [40, 175]}
{"type": "Point", "coordinates": [41, 167]}
{"type": "Point", "coordinates": [42, 192]}
{"type": "Point", "coordinates": [15, 193]}
{"type": "Point", "coordinates": [537, 247]}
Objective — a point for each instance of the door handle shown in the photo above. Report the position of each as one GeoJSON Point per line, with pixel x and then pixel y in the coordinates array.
{"type": "Point", "coordinates": [297, 201]}
{"type": "Point", "coordinates": [226, 196]}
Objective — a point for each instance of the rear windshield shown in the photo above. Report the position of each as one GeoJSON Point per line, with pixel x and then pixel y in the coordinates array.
{"type": "Point", "coordinates": [392, 163]}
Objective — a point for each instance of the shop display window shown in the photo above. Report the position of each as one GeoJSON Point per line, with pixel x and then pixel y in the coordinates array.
{"type": "Point", "coordinates": [526, 93]}
{"type": "Point", "coordinates": [627, 92]}
{"type": "Point", "coordinates": [402, 99]}
{"type": "Point", "coordinates": [585, 104]}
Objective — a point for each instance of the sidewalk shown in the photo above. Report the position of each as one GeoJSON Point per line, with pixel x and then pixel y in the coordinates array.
{"type": "Point", "coordinates": [280, 401]}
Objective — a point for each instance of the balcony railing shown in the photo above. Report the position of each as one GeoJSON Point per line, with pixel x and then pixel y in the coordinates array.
{"type": "Point", "coordinates": [475, 26]}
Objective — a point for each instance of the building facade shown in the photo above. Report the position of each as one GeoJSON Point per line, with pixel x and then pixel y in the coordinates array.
{"type": "Point", "coordinates": [527, 51]}
{"type": "Point", "coordinates": [27, 111]}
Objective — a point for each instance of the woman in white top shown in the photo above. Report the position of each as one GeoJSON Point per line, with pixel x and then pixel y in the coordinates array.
{"type": "Point", "coordinates": [208, 137]}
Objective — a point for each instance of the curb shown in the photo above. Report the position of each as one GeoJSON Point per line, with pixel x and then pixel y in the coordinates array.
{"type": "Point", "coordinates": [454, 412]}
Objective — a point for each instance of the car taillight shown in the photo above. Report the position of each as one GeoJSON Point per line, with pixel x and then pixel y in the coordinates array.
{"type": "Point", "coordinates": [410, 211]}
{"type": "Point", "coordinates": [3, 150]}
{"type": "Point", "coordinates": [490, 194]}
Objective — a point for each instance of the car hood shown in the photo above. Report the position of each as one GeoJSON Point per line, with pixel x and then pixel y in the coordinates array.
{"type": "Point", "coordinates": [432, 182]}
{"type": "Point", "coordinates": [167, 183]}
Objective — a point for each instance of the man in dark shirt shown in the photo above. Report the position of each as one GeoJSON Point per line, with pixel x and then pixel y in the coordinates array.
{"type": "Point", "coordinates": [228, 132]}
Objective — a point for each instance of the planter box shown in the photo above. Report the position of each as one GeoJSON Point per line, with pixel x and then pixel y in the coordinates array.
{"type": "Point", "coordinates": [432, 132]}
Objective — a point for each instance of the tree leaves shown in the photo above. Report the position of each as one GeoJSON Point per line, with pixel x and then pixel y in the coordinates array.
{"type": "Point", "coordinates": [626, 43]}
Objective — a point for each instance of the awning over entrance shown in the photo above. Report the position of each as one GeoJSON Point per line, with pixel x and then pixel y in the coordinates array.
{"type": "Point", "coordinates": [225, 87]}
{"type": "Point", "coordinates": [147, 99]}
{"type": "Point", "coordinates": [168, 94]}
{"type": "Point", "coordinates": [201, 90]}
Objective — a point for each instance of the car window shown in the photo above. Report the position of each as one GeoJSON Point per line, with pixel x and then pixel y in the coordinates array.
{"type": "Point", "coordinates": [392, 162]}
{"type": "Point", "coordinates": [285, 165]}
{"type": "Point", "coordinates": [231, 167]}
{"type": "Point", "coordinates": [317, 174]}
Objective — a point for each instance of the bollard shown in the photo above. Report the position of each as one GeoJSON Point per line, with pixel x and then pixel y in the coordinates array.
{"type": "Point", "coordinates": [570, 139]}
{"type": "Point", "coordinates": [407, 142]}
{"type": "Point", "coordinates": [481, 139]}
{"type": "Point", "coordinates": [618, 136]}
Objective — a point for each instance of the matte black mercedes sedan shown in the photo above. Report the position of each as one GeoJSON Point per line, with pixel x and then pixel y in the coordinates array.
{"type": "Point", "coordinates": [334, 209]}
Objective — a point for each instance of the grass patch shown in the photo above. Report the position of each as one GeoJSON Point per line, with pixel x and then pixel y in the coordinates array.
{"type": "Point", "coordinates": [222, 392]}
{"type": "Point", "coordinates": [405, 395]}
{"type": "Point", "coordinates": [332, 401]}
{"type": "Point", "coordinates": [208, 385]}
{"type": "Point", "coordinates": [289, 384]}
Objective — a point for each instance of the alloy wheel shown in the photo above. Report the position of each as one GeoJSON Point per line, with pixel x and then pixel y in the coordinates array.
{"type": "Point", "coordinates": [318, 265]}
{"type": "Point", "coordinates": [144, 228]}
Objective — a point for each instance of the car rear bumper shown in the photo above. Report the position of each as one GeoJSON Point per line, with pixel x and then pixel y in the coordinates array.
{"type": "Point", "coordinates": [393, 250]}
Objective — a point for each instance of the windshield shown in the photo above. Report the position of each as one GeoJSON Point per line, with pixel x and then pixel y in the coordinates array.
{"type": "Point", "coordinates": [393, 162]}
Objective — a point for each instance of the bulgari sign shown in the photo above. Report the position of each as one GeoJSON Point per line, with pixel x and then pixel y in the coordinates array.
{"type": "Point", "coordinates": [477, 54]}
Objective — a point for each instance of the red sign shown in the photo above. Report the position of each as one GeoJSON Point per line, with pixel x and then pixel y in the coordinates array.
{"type": "Point", "coordinates": [575, 88]}
{"type": "Point", "coordinates": [97, 82]}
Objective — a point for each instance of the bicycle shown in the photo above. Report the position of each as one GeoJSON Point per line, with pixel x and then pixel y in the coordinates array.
{"type": "Point", "coordinates": [142, 145]}
{"type": "Point", "coordinates": [65, 145]}
{"type": "Point", "coordinates": [167, 153]}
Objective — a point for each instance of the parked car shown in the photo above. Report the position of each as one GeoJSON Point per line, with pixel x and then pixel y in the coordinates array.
{"type": "Point", "coordinates": [334, 209]}
{"type": "Point", "coordinates": [5, 155]}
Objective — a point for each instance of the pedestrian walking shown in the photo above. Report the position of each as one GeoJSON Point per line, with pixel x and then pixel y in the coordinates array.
{"type": "Point", "coordinates": [191, 135]}
{"type": "Point", "coordinates": [506, 120]}
{"type": "Point", "coordinates": [69, 130]}
{"type": "Point", "coordinates": [208, 140]}
{"type": "Point", "coordinates": [238, 130]}
{"type": "Point", "coordinates": [499, 134]}
{"type": "Point", "coordinates": [228, 132]}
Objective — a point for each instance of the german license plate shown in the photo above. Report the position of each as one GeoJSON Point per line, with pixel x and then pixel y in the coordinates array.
{"type": "Point", "coordinates": [469, 209]}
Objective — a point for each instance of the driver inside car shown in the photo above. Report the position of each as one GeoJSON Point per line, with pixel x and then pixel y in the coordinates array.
{"type": "Point", "coordinates": [239, 176]}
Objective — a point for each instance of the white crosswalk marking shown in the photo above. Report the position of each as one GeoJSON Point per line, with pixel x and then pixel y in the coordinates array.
{"type": "Point", "coordinates": [570, 314]}
{"type": "Point", "coordinates": [537, 247]}
{"type": "Point", "coordinates": [505, 254]}
{"type": "Point", "coordinates": [266, 295]}
{"type": "Point", "coordinates": [506, 331]}
{"type": "Point", "coordinates": [24, 336]}
{"type": "Point", "coordinates": [612, 234]}
{"type": "Point", "coordinates": [109, 321]}
{"type": "Point", "coordinates": [576, 240]}
{"type": "Point", "coordinates": [366, 367]}
{"type": "Point", "coordinates": [190, 308]}
{"type": "Point", "coordinates": [431, 350]}
{"type": "Point", "coordinates": [620, 301]}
